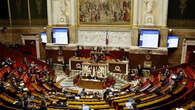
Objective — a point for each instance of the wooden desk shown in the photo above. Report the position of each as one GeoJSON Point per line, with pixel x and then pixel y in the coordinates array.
{"type": "Point", "coordinates": [75, 63]}
{"type": "Point", "coordinates": [118, 67]}
{"type": "Point", "coordinates": [91, 84]}
{"type": "Point", "coordinates": [94, 69]}
{"type": "Point", "coordinates": [112, 65]}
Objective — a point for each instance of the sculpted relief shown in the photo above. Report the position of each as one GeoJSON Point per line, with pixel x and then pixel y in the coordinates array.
{"type": "Point", "coordinates": [98, 38]}
{"type": "Point", "coordinates": [60, 11]}
{"type": "Point", "coordinates": [148, 15]}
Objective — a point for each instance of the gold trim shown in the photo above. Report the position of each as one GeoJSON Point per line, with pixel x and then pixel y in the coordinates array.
{"type": "Point", "coordinates": [134, 26]}
{"type": "Point", "coordinates": [29, 14]}
{"type": "Point", "coordinates": [105, 25]}
{"type": "Point", "coordinates": [163, 27]}
{"type": "Point", "coordinates": [78, 12]}
{"type": "Point", "coordinates": [62, 26]}
{"type": "Point", "coordinates": [9, 12]}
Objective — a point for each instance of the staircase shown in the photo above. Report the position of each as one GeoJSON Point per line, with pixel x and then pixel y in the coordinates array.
{"type": "Point", "coordinates": [68, 80]}
{"type": "Point", "coordinates": [118, 81]}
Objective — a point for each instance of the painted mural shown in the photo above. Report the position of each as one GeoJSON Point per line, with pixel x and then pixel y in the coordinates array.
{"type": "Point", "coordinates": [105, 12]}
{"type": "Point", "coordinates": [38, 10]}
{"type": "Point", "coordinates": [181, 14]}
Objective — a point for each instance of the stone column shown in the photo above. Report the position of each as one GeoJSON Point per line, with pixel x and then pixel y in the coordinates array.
{"type": "Point", "coordinates": [49, 12]}
{"type": "Point", "coordinates": [135, 12]}
{"type": "Point", "coordinates": [165, 12]}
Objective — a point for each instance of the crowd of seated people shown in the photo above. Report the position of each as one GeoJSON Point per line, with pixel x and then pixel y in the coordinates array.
{"type": "Point", "coordinates": [22, 82]}
{"type": "Point", "coordinates": [20, 78]}
{"type": "Point", "coordinates": [22, 86]}
{"type": "Point", "coordinates": [163, 82]}
{"type": "Point", "coordinates": [29, 94]}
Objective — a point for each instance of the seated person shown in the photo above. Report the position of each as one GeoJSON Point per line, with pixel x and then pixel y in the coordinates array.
{"type": "Point", "coordinates": [95, 76]}
{"type": "Point", "coordinates": [83, 93]}
{"type": "Point", "coordinates": [9, 61]}
{"type": "Point", "coordinates": [2, 64]}
{"type": "Point", "coordinates": [20, 71]}
{"type": "Point", "coordinates": [179, 76]}
{"type": "Point", "coordinates": [43, 105]}
{"type": "Point", "coordinates": [88, 76]}
{"type": "Point", "coordinates": [85, 107]}
{"type": "Point", "coordinates": [84, 75]}
{"type": "Point", "coordinates": [166, 73]}
{"type": "Point", "coordinates": [131, 100]}
{"type": "Point", "coordinates": [95, 95]}
{"type": "Point", "coordinates": [36, 70]}
{"type": "Point", "coordinates": [106, 93]}
{"type": "Point", "coordinates": [132, 88]}
{"type": "Point", "coordinates": [29, 73]}
{"type": "Point", "coordinates": [124, 58]}
{"type": "Point", "coordinates": [61, 104]}
{"type": "Point", "coordinates": [171, 85]}
{"type": "Point", "coordinates": [131, 104]}
{"type": "Point", "coordinates": [173, 76]}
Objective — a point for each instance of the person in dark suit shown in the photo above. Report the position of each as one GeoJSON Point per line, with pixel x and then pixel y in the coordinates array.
{"type": "Point", "coordinates": [139, 69]}
{"type": "Point", "coordinates": [43, 105]}
{"type": "Point", "coordinates": [106, 93]}
{"type": "Point", "coordinates": [179, 76]}
{"type": "Point", "coordinates": [95, 95]}
{"type": "Point", "coordinates": [6, 74]}
{"type": "Point", "coordinates": [20, 71]}
{"type": "Point", "coordinates": [78, 53]}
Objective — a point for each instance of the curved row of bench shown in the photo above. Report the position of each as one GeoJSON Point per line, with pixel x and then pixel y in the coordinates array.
{"type": "Point", "coordinates": [148, 99]}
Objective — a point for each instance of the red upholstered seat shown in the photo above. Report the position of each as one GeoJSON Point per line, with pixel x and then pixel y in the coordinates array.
{"type": "Point", "coordinates": [117, 54]}
{"type": "Point", "coordinates": [85, 52]}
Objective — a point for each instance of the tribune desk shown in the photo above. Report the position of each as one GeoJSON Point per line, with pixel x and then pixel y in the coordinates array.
{"type": "Point", "coordinates": [91, 83]}
{"type": "Point", "coordinates": [75, 63]}
{"type": "Point", "coordinates": [110, 65]}
{"type": "Point", "coordinates": [117, 66]}
{"type": "Point", "coordinates": [95, 69]}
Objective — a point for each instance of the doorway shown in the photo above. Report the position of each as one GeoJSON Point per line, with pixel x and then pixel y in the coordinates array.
{"type": "Point", "coordinates": [188, 51]}
{"type": "Point", "coordinates": [31, 44]}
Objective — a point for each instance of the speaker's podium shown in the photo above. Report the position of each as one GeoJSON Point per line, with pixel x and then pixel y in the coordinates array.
{"type": "Point", "coordinates": [93, 74]}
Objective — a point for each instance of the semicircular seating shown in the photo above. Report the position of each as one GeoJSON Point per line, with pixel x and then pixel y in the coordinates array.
{"type": "Point", "coordinates": [37, 84]}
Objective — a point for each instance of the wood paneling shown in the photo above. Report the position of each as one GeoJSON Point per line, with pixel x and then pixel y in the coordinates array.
{"type": "Point", "coordinates": [67, 54]}
{"type": "Point", "coordinates": [157, 60]}
{"type": "Point", "coordinates": [175, 54]}
{"type": "Point", "coordinates": [134, 59]}
{"type": "Point", "coordinates": [112, 68]}
{"type": "Point", "coordinates": [13, 36]}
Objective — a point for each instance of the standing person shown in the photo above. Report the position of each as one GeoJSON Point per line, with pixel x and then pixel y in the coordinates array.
{"type": "Point", "coordinates": [139, 69]}
{"type": "Point", "coordinates": [6, 74]}
{"type": "Point", "coordinates": [50, 63]}
{"type": "Point", "coordinates": [25, 61]}
{"type": "Point", "coordinates": [78, 52]}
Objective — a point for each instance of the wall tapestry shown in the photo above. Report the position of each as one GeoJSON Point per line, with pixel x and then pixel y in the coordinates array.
{"type": "Point", "coordinates": [105, 12]}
